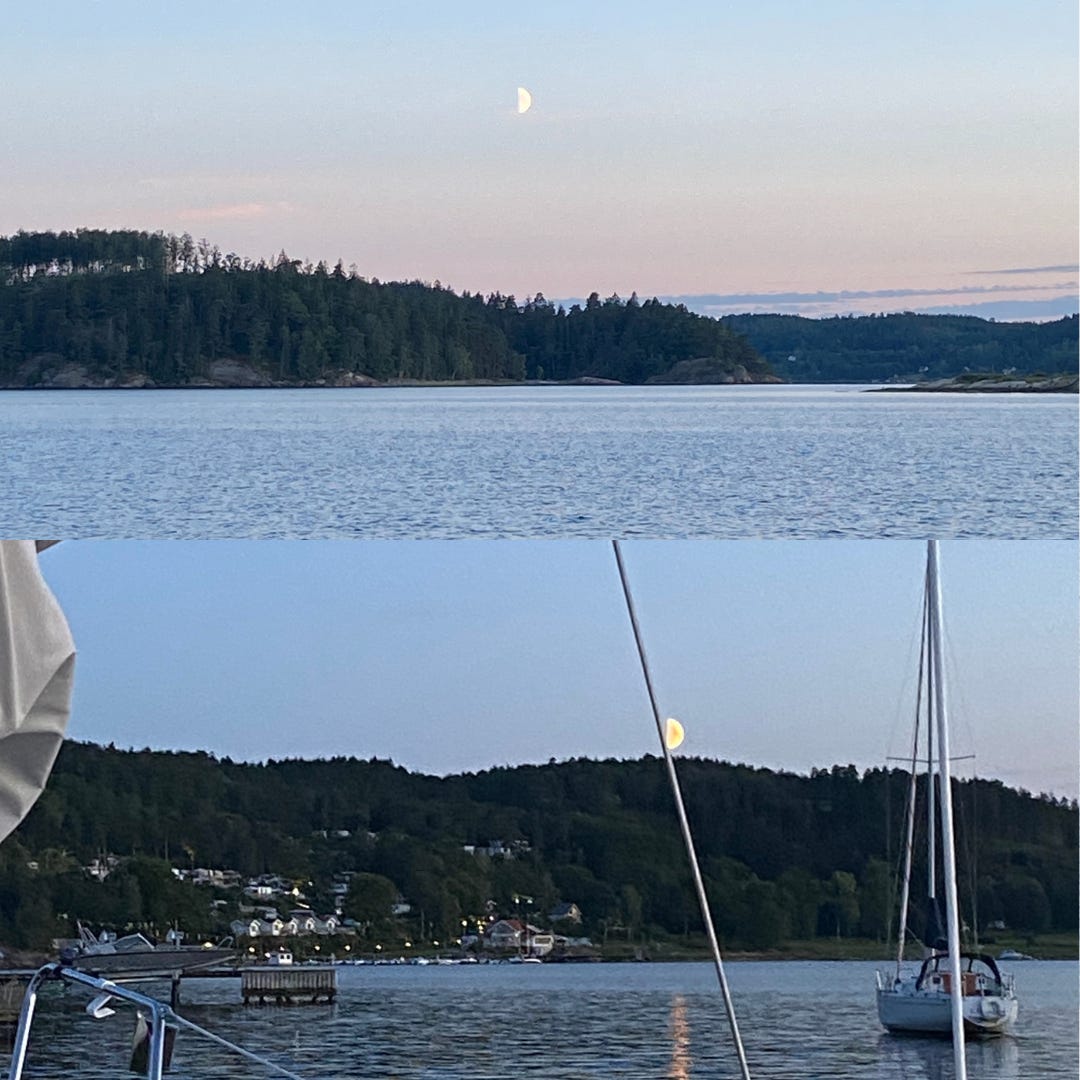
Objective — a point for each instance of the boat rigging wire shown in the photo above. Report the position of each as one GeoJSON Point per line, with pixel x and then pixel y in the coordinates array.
{"type": "Point", "coordinates": [177, 1019]}
{"type": "Point", "coordinates": [909, 821]}
{"type": "Point", "coordinates": [684, 823]}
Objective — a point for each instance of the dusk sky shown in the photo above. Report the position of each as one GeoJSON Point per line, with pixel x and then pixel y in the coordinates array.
{"type": "Point", "coordinates": [765, 156]}
{"type": "Point", "coordinates": [451, 656]}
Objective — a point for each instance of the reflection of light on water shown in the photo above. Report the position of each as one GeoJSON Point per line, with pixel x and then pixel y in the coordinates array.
{"type": "Point", "coordinates": [925, 1058]}
{"type": "Point", "coordinates": [679, 1069]}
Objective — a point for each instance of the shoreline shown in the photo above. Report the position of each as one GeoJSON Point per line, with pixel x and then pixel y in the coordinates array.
{"type": "Point", "coordinates": [1070, 387]}
{"type": "Point", "coordinates": [1062, 383]}
{"type": "Point", "coordinates": [1054, 384]}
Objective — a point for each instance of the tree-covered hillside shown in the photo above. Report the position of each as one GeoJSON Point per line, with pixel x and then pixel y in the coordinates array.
{"type": "Point", "coordinates": [126, 308]}
{"type": "Point", "coordinates": [137, 309]}
{"type": "Point", "coordinates": [906, 347]}
{"type": "Point", "coordinates": [784, 855]}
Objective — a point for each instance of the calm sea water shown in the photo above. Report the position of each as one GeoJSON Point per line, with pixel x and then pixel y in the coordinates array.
{"type": "Point", "coordinates": [537, 461]}
{"type": "Point", "coordinates": [499, 1022]}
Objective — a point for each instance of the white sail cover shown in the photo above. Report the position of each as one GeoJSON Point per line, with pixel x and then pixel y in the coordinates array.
{"type": "Point", "coordinates": [37, 668]}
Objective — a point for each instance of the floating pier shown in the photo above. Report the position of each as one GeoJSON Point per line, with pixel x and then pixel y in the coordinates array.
{"type": "Point", "coordinates": [286, 985]}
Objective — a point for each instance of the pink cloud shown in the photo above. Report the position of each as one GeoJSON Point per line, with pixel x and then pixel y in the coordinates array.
{"type": "Point", "coordinates": [231, 211]}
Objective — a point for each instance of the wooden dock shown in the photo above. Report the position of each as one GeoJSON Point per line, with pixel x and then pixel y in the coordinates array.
{"type": "Point", "coordinates": [288, 985]}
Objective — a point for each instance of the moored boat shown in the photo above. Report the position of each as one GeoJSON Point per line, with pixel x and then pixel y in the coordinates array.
{"type": "Point", "coordinates": [926, 1001]}
{"type": "Point", "coordinates": [921, 1002]}
{"type": "Point", "coordinates": [136, 956]}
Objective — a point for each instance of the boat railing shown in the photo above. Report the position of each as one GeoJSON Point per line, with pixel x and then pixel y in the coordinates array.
{"type": "Point", "coordinates": [982, 986]}
{"type": "Point", "coordinates": [157, 1015]}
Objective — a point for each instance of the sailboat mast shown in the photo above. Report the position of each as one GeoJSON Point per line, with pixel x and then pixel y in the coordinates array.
{"type": "Point", "coordinates": [684, 823]}
{"type": "Point", "coordinates": [931, 800]}
{"type": "Point", "coordinates": [952, 910]}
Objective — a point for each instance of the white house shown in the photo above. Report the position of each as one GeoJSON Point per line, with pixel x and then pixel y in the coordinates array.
{"type": "Point", "coordinates": [539, 942]}
{"type": "Point", "coordinates": [503, 934]}
{"type": "Point", "coordinates": [257, 928]}
{"type": "Point", "coordinates": [304, 920]}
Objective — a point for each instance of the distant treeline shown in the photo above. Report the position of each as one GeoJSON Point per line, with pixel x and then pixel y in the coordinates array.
{"type": "Point", "coordinates": [784, 856]}
{"type": "Point", "coordinates": [131, 306]}
{"type": "Point", "coordinates": [135, 308]}
{"type": "Point", "coordinates": [907, 347]}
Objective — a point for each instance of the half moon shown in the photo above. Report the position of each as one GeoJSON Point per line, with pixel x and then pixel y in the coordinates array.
{"type": "Point", "coordinates": [673, 733]}
{"type": "Point", "coordinates": [524, 100]}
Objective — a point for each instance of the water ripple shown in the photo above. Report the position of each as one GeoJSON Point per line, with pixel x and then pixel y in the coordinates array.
{"type": "Point", "coordinates": [799, 1021]}
{"type": "Point", "coordinates": [537, 462]}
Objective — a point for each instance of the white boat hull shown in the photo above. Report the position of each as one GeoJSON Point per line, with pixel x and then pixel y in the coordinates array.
{"type": "Point", "coordinates": [929, 1012]}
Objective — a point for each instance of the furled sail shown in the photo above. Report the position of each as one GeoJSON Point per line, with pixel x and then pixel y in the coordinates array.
{"type": "Point", "coordinates": [935, 935]}
{"type": "Point", "coordinates": [37, 667]}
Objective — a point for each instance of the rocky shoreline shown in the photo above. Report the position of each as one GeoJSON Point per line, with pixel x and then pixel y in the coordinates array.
{"type": "Point", "coordinates": [52, 372]}
{"type": "Point", "coordinates": [994, 384]}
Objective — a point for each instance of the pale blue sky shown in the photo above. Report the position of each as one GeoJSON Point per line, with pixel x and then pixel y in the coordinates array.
{"type": "Point", "coordinates": [449, 656]}
{"type": "Point", "coordinates": [686, 149]}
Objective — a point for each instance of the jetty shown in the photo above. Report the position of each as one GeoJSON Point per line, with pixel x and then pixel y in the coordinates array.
{"type": "Point", "coordinates": [287, 985]}
{"type": "Point", "coordinates": [264, 983]}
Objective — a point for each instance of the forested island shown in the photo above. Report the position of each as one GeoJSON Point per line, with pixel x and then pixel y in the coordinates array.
{"type": "Point", "coordinates": [126, 309]}
{"type": "Point", "coordinates": [786, 857]}
{"type": "Point", "coordinates": [131, 309]}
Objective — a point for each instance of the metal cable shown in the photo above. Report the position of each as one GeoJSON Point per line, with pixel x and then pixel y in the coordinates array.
{"type": "Point", "coordinates": [176, 1018]}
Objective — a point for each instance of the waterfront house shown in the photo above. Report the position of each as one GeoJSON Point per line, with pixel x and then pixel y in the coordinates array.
{"type": "Point", "coordinates": [503, 934]}
{"type": "Point", "coordinates": [539, 942]}
{"type": "Point", "coordinates": [513, 934]}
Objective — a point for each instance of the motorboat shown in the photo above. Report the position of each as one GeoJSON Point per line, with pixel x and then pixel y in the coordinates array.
{"type": "Point", "coordinates": [134, 955]}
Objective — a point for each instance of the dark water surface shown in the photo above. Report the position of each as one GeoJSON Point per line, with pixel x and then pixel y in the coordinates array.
{"type": "Point", "coordinates": [741, 461]}
{"type": "Point", "coordinates": [498, 1022]}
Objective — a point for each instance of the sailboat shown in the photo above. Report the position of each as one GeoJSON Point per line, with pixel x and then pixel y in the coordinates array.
{"type": "Point", "coordinates": [922, 1000]}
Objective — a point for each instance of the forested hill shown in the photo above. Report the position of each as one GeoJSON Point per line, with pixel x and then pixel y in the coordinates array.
{"type": "Point", "coordinates": [97, 308]}
{"type": "Point", "coordinates": [135, 309]}
{"type": "Point", "coordinates": [784, 855]}
{"type": "Point", "coordinates": [907, 347]}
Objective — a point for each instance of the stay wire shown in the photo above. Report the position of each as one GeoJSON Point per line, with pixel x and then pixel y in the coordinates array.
{"type": "Point", "coordinates": [684, 823]}
{"type": "Point", "coordinates": [182, 1021]}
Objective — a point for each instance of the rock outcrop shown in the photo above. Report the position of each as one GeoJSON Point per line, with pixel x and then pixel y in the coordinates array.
{"type": "Point", "coordinates": [1066, 383]}
{"type": "Point", "coordinates": [707, 371]}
